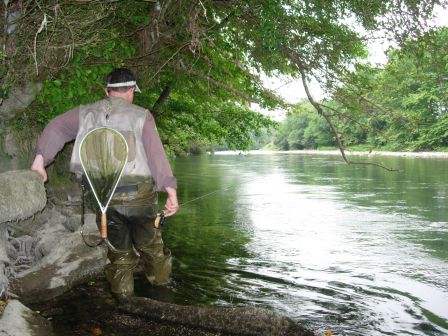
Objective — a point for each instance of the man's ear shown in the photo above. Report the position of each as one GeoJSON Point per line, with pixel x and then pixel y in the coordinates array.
{"type": "Point", "coordinates": [130, 93]}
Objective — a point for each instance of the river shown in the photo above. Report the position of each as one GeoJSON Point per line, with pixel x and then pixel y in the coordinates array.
{"type": "Point", "coordinates": [350, 248]}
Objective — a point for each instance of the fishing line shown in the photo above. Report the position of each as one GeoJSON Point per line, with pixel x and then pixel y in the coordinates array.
{"type": "Point", "coordinates": [203, 196]}
{"type": "Point", "coordinates": [160, 216]}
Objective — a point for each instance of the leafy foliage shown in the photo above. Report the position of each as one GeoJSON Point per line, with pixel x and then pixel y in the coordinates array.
{"type": "Point", "coordinates": [303, 129]}
{"type": "Point", "coordinates": [403, 105]}
{"type": "Point", "coordinates": [208, 54]}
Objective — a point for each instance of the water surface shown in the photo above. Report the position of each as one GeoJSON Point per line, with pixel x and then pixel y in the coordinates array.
{"type": "Point", "coordinates": [355, 249]}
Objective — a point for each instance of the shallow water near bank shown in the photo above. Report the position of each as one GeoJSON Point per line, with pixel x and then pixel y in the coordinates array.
{"type": "Point", "coordinates": [354, 249]}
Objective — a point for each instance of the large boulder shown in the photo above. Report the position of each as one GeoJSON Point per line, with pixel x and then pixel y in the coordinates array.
{"type": "Point", "coordinates": [47, 255]}
{"type": "Point", "coordinates": [40, 257]}
{"type": "Point", "coordinates": [66, 260]}
{"type": "Point", "coordinates": [23, 194]}
{"type": "Point", "coordinates": [20, 320]}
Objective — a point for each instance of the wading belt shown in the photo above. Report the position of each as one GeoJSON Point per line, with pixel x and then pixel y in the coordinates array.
{"type": "Point", "coordinates": [126, 188]}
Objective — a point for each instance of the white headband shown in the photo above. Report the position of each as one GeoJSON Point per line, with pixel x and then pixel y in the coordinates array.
{"type": "Point", "coordinates": [132, 83]}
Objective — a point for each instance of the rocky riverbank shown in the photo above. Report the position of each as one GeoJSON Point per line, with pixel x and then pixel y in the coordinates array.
{"type": "Point", "coordinates": [53, 285]}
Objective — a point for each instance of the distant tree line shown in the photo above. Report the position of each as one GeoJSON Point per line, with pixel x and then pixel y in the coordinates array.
{"type": "Point", "coordinates": [400, 106]}
{"type": "Point", "coordinates": [303, 129]}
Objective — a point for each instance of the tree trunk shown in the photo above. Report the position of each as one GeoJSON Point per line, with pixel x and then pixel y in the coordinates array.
{"type": "Point", "coordinates": [162, 99]}
{"type": "Point", "coordinates": [226, 320]}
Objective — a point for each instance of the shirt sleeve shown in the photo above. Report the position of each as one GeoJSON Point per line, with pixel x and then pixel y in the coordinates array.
{"type": "Point", "coordinates": [56, 134]}
{"type": "Point", "coordinates": [156, 156]}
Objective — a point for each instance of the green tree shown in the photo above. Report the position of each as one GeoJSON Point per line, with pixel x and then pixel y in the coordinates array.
{"type": "Point", "coordinates": [199, 62]}
{"type": "Point", "coordinates": [402, 105]}
{"type": "Point", "coordinates": [303, 128]}
{"type": "Point", "coordinates": [318, 134]}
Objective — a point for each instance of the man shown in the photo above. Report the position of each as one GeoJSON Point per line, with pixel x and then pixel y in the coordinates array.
{"type": "Point", "coordinates": [133, 207]}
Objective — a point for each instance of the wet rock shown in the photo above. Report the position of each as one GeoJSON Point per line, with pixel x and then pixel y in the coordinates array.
{"type": "Point", "coordinates": [22, 195]}
{"type": "Point", "coordinates": [20, 320]}
{"type": "Point", "coordinates": [67, 261]}
{"type": "Point", "coordinates": [73, 223]}
{"type": "Point", "coordinates": [42, 256]}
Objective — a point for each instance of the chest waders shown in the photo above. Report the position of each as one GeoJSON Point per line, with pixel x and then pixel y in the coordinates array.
{"type": "Point", "coordinates": [131, 228]}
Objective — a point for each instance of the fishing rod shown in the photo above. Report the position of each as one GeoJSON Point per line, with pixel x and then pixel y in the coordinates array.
{"type": "Point", "coordinates": [160, 216]}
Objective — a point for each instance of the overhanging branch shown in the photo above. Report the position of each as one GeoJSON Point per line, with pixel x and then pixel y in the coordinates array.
{"type": "Point", "coordinates": [215, 82]}
{"type": "Point", "coordinates": [319, 110]}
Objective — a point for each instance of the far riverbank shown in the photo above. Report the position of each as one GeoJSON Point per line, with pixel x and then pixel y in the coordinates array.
{"type": "Point", "coordinates": [337, 152]}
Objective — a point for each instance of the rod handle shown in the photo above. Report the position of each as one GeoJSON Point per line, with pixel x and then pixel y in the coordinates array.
{"type": "Point", "coordinates": [160, 220]}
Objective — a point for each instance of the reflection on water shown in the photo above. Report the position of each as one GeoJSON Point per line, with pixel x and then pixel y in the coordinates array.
{"type": "Point", "coordinates": [356, 249]}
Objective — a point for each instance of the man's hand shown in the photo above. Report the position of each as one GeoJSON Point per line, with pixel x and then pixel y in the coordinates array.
{"type": "Point", "coordinates": [38, 166]}
{"type": "Point", "coordinates": [171, 205]}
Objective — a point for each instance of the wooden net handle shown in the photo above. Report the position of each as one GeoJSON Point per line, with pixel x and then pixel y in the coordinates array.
{"type": "Point", "coordinates": [103, 226]}
{"type": "Point", "coordinates": [157, 222]}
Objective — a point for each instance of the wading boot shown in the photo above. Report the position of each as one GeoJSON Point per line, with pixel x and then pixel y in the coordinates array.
{"type": "Point", "coordinates": [119, 272]}
{"type": "Point", "coordinates": [157, 262]}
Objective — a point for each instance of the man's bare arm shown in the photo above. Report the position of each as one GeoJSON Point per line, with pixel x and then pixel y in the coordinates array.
{"type": "Point", "coordinates": [56, 134]}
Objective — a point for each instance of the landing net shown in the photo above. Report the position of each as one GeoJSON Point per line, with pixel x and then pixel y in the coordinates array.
{"type": "Point", "coordinates": [103, 153]}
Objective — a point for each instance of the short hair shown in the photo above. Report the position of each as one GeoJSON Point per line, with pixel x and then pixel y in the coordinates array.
{"type": "Point", "coordinates": [120, 75]}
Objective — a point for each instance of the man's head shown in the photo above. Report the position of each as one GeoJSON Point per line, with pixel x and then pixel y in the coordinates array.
{"type": "Point", "coordinates": [122, 83]}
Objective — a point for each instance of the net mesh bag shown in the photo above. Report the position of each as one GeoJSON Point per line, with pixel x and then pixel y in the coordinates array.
{"type": "Point", "coordinates": [103, 154]}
